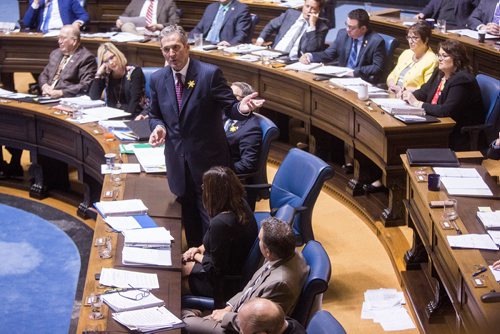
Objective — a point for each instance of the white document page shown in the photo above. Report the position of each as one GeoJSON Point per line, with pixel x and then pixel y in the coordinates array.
{"type": "Point", "coordinates": [474, 241]}
{"type": "Point", "coordinates": [395, 320]}
{"type": "Point", "coordinates": [150, 256]}
{"type": "Point", "coordinates": [126, 168]}
{"type": "Point", "coordinates": [267, 53]}
{"type": "Point", "coordinates": [126, 279]}
{"type": "Point", "coordinates": [113, 124]}
{"type": "Point", "coordinates": [489, 219]}
{"type": "Point", "coordinates": [456, 172]}
{"type": "Point", "coordinates": [147, 319]}
{"type": "Point", "coordinates": [332, 70]}
{"type": "Point", "coordinates": [152, 235]}
{"type": "Point", "coordinates": [151, 159]}
{"type": "Point", "coordinates": [122, 223]}
{"type": "Point", "coordinates": [298, 66]}
{"type": "Point", "coordinates": [124, 207]}
{"type": "Point", "coordinates": [248, 58]}
{"type": "Point", "coordinates": [83, 101]}
{"type": "Point", "coordinates": [244, 48]}
{"type": "Point", "coordinates": [495, 236]}
{"type": "Point", "coordinates": [126, 37]}
{"type": "Point", "coordinates": [496, 273]}
{"type": "Point", "coordinates": [471, 33]}
{"type": "Point", "coordinates": [119, 303]}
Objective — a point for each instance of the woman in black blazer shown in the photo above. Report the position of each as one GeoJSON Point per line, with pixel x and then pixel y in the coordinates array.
{"type": "Point", "coordinates": [452, 91]}
{"type": "Point", "coordinates": [231, 233]}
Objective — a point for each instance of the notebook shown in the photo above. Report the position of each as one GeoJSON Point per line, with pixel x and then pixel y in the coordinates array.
{"type": "Point", "coordinates": [443, 157]}
{"type": "Point", "coordinates": [140, 129]}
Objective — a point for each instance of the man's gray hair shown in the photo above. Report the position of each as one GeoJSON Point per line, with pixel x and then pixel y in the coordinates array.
{"type": "Point", "coordinates": [174, 29]}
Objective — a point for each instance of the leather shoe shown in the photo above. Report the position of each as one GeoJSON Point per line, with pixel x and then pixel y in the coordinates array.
{"type": "Point", "coordinates": [370, 189]}
{"type": "Point", "coordinates": [348, 168]}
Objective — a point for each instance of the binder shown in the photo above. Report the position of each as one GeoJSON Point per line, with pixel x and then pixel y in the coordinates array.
{"type": "Point", "coordinates": [140, 129]}
{"type": "Point", "coordinates": [440, 157]}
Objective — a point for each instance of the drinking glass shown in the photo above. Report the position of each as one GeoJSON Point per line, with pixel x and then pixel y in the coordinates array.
{"type": "Point", "coordinates": [450, 212]}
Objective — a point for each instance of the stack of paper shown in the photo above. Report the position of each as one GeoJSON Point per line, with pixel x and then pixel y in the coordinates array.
{"type": "Point", "coordinates": [99, 114]}
{"type": "Point", "coordinates": [398, 107]}
{"type": "Point", "coordinates": [152, 159]}
{"type": "Point", "coordinates": [125, 168]}
{"type": "Point", "coordinates": [298, 66]}
{"type": "Point", "coordinates": [125, 300]}
{"type": "Point", "coordinates": [125, 279]}
{"type": "Point", "coordinates": [354, 84]}
{"type": "Point", "coordinates": [84, 102]}
{"type": "Point", "coordinates": [127, 207]}
{"type": "Point", "coordinates": [148, 319]}
{"type": "Point", "coordinates": [147, 246]}
{"type": "Point", "coordinates": [472, 33]}
{"type": "Point", "coordinates": [122, 223]}
{"type": "Point", "coordinates": [474, 241]}
{"type": "Point", "coordinates": [137, 256]}
{"type": "Point", "coordinates": [463, 181]}
{"type": "Point", "coordinates": [244, 48]}
{"type": "Point", "coordinates": [330, 70]}
{"type": "Point", "coordinates": [490, 219]}
{"type": "Point", "coordinates": [385, 306]}
{"type": "Point", "coordinates": [126, 37]}
{"type": "Point", "coordinates": [156, 237]}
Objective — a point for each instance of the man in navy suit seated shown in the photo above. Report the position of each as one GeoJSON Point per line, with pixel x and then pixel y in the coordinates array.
{"type": "Point", "coordinates": [297, 32]}
{"type": "Point", "coordinates": [486, 16]}
{"type": "Point", "coordinates": [225, 23]}
{"type": "Point", "coordinates": [188, 98]}
{"type": "Point", "coordinates": [356, 47]}
{"type": "Point", "coordinates": [244, 137]}
{"type": "Point", "coordinates": [45, 15]}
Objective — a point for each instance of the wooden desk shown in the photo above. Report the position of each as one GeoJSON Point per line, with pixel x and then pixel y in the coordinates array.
{"type": "Point", "coordinates": [373, 133]}
{"type": "Point", "coordinates": [36, 128]}
{"type": "Point", "coordinates": [485, 57]}
{"type": "Point", "coordinates": [438, 279]}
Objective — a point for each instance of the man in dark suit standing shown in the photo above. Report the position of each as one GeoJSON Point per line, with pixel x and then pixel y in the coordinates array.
{"type": "Point", "coordinates": [45, 15]}
{"type": "Point", "coordinates": [158, 14]}
{"type": "Point", "coordinates": [356, 47]}
{"type": "Point", "coordinates": [188, 98]}
{"type": "Point", "coordinates": [244, 137]}
{"type": "Point", "coordinates": [280, 279]}
{"type": "Point", "coordinates": [297, 32]}
{"type": "Point", "coordinates": [71, 67]}
{"type": "Point", "coordinates": [225, 23]}
{"type": "Point", "coordinates": [486, 16]}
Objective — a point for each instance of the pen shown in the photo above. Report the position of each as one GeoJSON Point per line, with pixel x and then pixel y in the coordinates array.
{"type": "Point", "coordinates": [479, 271]}
{"type": "Point", "coordinates": [456, 227]}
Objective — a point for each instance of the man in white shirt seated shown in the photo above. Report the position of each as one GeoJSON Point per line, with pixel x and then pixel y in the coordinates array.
{"type": "Point", "coordinates": [158, 14]}
{"type": "Point", "coordinates": [297, 32]}
{"type": "Point", "coordinates": [45, 15]}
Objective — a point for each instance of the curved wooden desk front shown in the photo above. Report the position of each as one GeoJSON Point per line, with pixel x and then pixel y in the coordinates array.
{"type": "Point", "coordinates": [35, 128]}
{"type": "Point", "coordinates": [375, 134]}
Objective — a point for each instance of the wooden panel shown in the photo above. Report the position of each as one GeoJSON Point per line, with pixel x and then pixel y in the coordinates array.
{"type": "Point", "coordinates": [369, 133]}
{"type": "Point", "coordinates": [446, 266]}
{"type": "Point", "coordinates": [93, 156]}
{"type": "Point", "coordinates": [63, 139]}
{"type": "Point", "coordinates": [17, 125]}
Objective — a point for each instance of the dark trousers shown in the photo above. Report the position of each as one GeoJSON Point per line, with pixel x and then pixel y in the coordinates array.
{"type": "Point", "coordinates": [194, 216]}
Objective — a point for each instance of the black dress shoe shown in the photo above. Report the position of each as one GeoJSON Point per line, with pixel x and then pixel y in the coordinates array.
{"type": "Point", "coordinates": [370, 189]}
{"type": "Point", "coordinates": [348, 168]}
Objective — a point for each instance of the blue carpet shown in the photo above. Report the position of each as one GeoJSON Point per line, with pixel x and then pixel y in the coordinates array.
{"type": "Point", "coordinates": [39, 272]}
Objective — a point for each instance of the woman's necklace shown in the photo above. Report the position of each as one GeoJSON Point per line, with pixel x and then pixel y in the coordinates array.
{"type": "Point", "coordinates": [118, 104]}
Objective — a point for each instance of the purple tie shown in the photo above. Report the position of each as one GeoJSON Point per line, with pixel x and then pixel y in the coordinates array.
{"type": "Point", "coordinates": [178, 89]}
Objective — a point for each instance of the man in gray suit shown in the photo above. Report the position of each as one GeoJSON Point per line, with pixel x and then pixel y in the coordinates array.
{"type": "Point", "coordinates": [280, 279]}
{"type": "Point", "coordinates": [486, 16]}
{"type": "Point", "coordinates": [71, 67]}
{"type": "Point", "coordinates": [158, 14]}
{"type": "Point", "coordinates": [297, 32]}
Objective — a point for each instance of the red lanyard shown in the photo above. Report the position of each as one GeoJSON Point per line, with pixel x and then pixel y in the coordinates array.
{"type": "Point", "coordinates": [437, 94]}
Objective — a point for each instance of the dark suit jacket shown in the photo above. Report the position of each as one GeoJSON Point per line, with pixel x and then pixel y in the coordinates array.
{"type": "Point", "coordinates": [245, 138]}
{"type": "Point", "coordinates": [70, 11]}
{"type": "Point", "coordinates": [310, 42]}
{"type": "Point", "coordinates": [165, 13]}
{"type": "Point", "coordinates": [282, 284]}
{"type": "Point", "coordinates": [236, 25]}
{"type": "Point", "coordinates": [483, 14]}
{"type": "Point", "coordinates": [493, 153]}
{"type": "Point", "coordinates": [463, 8]}
{"type": "Point", "coordinates": [76, 76]}
{"type": "Point", "coordinates": [371, 58]}
{"type": "Point", "coordinates": [460, 99]}
{"type": "Point", "coordinates": [195, 136]}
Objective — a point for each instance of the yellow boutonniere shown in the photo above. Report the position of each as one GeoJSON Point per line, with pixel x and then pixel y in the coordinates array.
{"type": "Point", "coordinates": [191, 84]}
{"type": "Point", "coordinates": [233, 128]}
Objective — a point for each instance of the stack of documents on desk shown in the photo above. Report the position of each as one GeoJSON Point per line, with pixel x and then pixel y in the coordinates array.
{"type": "Point", "coordinates": [355, 83]}
{"type": "Point", "coordinates": [127, 37]}
{"type": "Point", "coordinates": [124, 300]}
{"type": "Point", "coordinates": [152, 159]}
{"type": "Point", "coordinates": [463, 181]}
{"type": "Point", "coordinates": [7, 94]}
{"type": "Point", "coordinates": [472, 33]}
{"type": "Point", "coordinates": [298, 66]}
{"type": "Point", "coordinates": [125, 168]}
{"type": "Point", "coordinates": [398, 107]}
{"type": "Point", "coordinates": [122, 223]}
{"type": "Point", "coordinates": [491, 222]}
{"type": "Point", "coordinates": [125, 279]}
{"type": "Point", "coordinates": [385, 306]}
{"type": "Point", "coordinates": [244, 48]}
{"type": "Point", "coordinates": [337, 71]}
{"type": "Point", "coordinates": [147, 246]}
{"type": "Point", "coordinates": [84, 102]}
{"type": "Point", "coordinates": [128, 207]}
{"type": "Point", "coordinates": [149, 319]}
{"type": "Point", "coordinates": [474, 241]}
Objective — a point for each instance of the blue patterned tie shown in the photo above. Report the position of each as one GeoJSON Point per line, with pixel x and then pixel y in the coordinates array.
{"type": "Point", "coordinates": [496, 15]}
{"type": "Point", "coordinates": [45, 24]}
{"type": "Point", "coordinates": [213, 33]}
{"type": "Point", "coordinates": [353, 55]}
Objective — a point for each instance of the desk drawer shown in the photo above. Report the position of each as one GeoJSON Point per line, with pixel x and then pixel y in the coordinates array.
{"type": "Point", "coordinates": [61, 139]}
{"type": "Point", "coordinates": [333, 112]}
{"type": "Point", "coordinates": [17, 126]}
{"type": "Point", "coordinates": [294, 100]}
{"type": "Point", "coordinates": [366, 132]}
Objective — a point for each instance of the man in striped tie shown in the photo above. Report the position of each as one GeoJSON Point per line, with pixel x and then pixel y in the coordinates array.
{"type": "Point", "coordinates": [357, 47]}
{"type": "Point", "coordinates": [157, 14]}
{"type": "Point", "coordinates": [280, 279]}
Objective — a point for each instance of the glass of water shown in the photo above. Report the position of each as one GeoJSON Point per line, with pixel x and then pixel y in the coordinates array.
{"type": "Point", "coordinates": [450, 212]}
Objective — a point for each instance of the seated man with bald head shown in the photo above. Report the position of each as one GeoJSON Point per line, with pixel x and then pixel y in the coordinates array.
{"type": "Point", "coordinates": [71, 67]}
{"type": "Point", "coordinates": [280, 279]}
{"type": "Point", "coordinates": [261, 315]}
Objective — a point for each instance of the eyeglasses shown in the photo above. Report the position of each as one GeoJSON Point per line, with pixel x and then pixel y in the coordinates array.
{"type": "Point", "coordinates": [443, 56]}
{"type": "Point", "coordinates": [412, 38]}
{"type": "Point", "coordinates": [350, 28]}
{"type": "Point", "coordinates": [134, 294]}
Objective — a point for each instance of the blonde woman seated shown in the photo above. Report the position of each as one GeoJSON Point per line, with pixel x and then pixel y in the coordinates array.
{"type": "Point", "coordinates": [123, 84]}
{"type": "Point", "coordinates": [231, 233]}
{"type": "Point", "coordinates": [416, 64]}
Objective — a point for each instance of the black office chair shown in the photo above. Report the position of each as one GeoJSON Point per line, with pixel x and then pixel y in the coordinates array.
{"type": "Point", "coordinates": [391, 43]}
{"type": "Point", "coordinates": [147, 78]}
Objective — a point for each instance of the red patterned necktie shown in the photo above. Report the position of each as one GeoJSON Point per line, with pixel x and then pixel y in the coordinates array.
{"type": "Point", "coordinates": [149, 13]}
{"type": "Point", "coordinates": [178, 89]}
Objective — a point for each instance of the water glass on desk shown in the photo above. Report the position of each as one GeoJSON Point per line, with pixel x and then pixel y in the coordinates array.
{"type": "Point", "coordinates": [441, 25]}
{"type": "Point", "coordinates": [450, 212]}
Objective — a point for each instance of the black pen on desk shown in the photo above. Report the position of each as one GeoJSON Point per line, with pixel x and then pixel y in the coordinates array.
{"type": "Point", "coordinates": [456, 227]}
{"type": "Point", "coordinates": [479, 271]}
